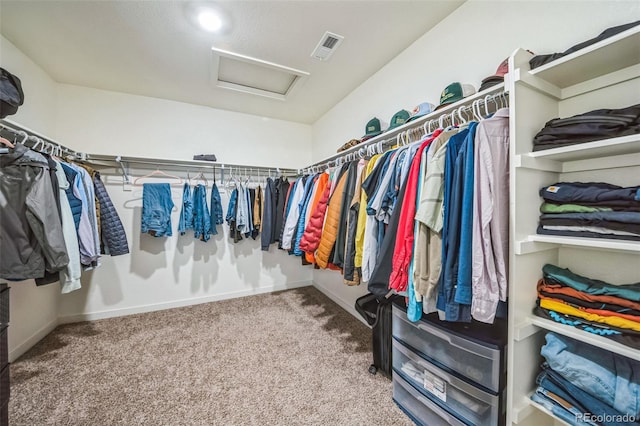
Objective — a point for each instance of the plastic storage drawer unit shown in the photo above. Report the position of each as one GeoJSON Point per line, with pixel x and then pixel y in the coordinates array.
{"type": "Point", "coordinates": [4, 304]}
{"type": "Point", "coordinates": [419, 408]}
{"type": "Point", "coordinates": [4, 385]}
{"type": "Point", "coordinates": [454, 348]}
{"type": "Point", "coordinates": [467, 402]}
{"type": "Point", "coordinates": [4, 346]}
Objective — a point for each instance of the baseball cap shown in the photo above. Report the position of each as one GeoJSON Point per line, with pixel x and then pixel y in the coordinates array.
{"type": "Point", "coordinates": [372, 129]}
{"type": "Point", "coordinates": [455, 92]}
{"type": "Point", "coordinates": [496, 78]}
{"type": "Point", "coordinates": [398, 119]}
{"type": "Point", "coordinates": [420, 110]}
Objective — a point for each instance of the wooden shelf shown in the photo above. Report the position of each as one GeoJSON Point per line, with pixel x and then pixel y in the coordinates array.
{"type": "Point", "coordinates": [596, 149]}
{"type": "Point", "coordinates": [532, 243]}
{"type": "Point", "coordinates": [607, 56]}
{"type": "Point", "coordinates": [586, 337]}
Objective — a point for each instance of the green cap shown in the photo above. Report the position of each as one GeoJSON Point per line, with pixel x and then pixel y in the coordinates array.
{"type": "Point", "coordinates": [398, 119]}
{"type": "Point", "coordinates": [372, 129]}
{"type": "Point", "coordinates": [455, 92]}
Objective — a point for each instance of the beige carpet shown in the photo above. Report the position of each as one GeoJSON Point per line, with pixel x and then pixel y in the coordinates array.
{"type": "Point", "coordinates": [286, 358]}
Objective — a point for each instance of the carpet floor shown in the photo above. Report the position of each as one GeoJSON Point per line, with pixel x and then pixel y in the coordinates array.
{"type": "Point", "coordinates": [286, 358]}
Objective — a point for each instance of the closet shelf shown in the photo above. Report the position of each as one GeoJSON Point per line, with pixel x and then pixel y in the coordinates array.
{"type": "Point", "coordinates": [594, 162]}
{"type": "Point", "coordinates": [536, 242]}
{"type": "Point", "coordinates": [547, 412]}
{"type": "Point", "coordinates": [604, 57]}
{"type": "Point", "coordinates": [586, 337]}
{"type": "Point", "coordinates": [596, 149]}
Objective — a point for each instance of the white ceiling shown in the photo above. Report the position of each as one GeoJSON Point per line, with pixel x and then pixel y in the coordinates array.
{"type": "Point", "coordinates": [151, 48]}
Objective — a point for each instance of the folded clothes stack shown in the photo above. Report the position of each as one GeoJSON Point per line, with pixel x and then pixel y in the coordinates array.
{"type": "Point", "coordinates": [586, 385]}
{"type": "Point", "coordinates": [595, 306]}
{"type": "Point", "coordinates": [593, 210]}
{"type": "Point", "coordinates": [588, 127]}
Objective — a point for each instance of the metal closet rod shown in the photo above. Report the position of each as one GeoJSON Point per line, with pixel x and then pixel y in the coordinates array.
{"type": "Point", "coordinates": [36, 141]}
{"type": "Point", "coordinates": [124, 161]}
{"type": "Point", "coordinates": [463, 111]}
{"type": "Point", "coordinates": [39, 142]}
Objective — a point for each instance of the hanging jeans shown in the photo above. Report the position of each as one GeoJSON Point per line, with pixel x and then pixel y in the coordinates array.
{"type": "Point", "coordinates": [589, 409]}
{"type": "Point", "coordinates": [156, 209]}
{"type": "Point", "coordinates": [201, 217]}
{"type": "Point", "coordinates": [186, 213]}
{"type": "Point", "coordinates": [216, 209]}
{"type": "Point", "coordinates": [611, 378]}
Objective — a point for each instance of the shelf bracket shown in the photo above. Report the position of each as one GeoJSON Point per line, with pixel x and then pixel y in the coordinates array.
{"type": "Point", "coordinates": [528, 162]}
{"type": "Point", "coordinates": [527, 246]}
{"type": "Point", "coordinates": [537, 84]}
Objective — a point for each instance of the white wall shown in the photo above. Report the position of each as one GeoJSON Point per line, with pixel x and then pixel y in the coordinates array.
{"type": "Point", "coordinates": [179, 270]}
{"type": "Point", "coordinates": [467, 46]}
{"type": "Point", "coordinates": [33, 310]}
{"type": "Point", "coordinates": [102, 122]}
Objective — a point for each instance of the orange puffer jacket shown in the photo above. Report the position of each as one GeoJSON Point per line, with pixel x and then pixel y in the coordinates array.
{"type": "Point", "coordinates": [330, 229]}
{"type": "Point", "coordinates": [313, 231]}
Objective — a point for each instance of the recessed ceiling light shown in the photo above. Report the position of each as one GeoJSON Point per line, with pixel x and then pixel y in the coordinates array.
{"type": "Point", "coordinates": [209, 20]}
{"type": "Point", "coordinates": [207, 16]}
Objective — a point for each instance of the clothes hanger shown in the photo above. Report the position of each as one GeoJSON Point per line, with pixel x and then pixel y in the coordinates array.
{"type": "Point", "coordinates": [158, 172]}
{"type": "Point", "coordinates": [486, 105]}
{"type": "Point", "coordinates": [200, 176]}
{"type": "Point", "coordinates": [6, 142]}
{"type": "Point", "coordinates": [463, 120]}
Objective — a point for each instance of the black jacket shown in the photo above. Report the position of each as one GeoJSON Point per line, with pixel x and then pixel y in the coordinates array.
{"type": "Point", "coordinates": [30, 224]}
{"type": "Point", "coordinates": [114, 239]}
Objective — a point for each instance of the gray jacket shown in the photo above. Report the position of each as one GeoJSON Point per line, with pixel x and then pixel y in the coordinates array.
{"type": "Point", "coordinates": [30, 225]}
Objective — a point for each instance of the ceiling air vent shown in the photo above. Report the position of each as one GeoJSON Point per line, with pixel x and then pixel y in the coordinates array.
{"type": "Point", "coordinates": [327, 45]}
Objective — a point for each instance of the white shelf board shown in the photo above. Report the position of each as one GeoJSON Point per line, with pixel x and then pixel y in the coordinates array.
{"type": "Point", "coordinates": [586, 337]}
{"type": "Point", "coordinates": [547, 412]}
{"type": "Point", "coordinates": [522, 410]}
{"type": "Point", "coordinates": [529, 244]}
{"type": "Point", "coordinates": [604, 57]}
{"type": "Point", "coordinates": [596, 149]}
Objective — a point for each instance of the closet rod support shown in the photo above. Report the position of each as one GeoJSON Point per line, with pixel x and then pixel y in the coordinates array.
{"type": "Point", "coordinates": [125, 174]}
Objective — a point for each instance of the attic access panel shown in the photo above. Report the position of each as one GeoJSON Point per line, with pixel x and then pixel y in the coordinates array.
{"type": "Point", "coordinates": [254, 76]}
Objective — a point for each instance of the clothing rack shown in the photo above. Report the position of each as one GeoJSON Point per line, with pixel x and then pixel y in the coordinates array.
{"type": "Point", "coordinates": [467, 109]}
{"type": "Point", "coordinates": [36, 141]}
{"type": "Point", "coordinates": [123, 163]}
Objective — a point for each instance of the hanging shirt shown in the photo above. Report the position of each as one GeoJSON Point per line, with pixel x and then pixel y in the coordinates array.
{"type": "Point", "coordinates": [69, 276]}
{"type": "Point", "coordinates": [427, 252]}
{"type": "Point", "coordinates": [268, 213]}
{"type": "Point", "coordinates": [86, 232]}
{"type": "Point", "coordinates": [302, 209]}
{"type": "Point", "coordinates": [404, 238]}
{"type": "Point", "coordinates": [449, 232]}
{"type": "Point", "coordinates": [454, 212]}
{"type": "Point", "coordinates": [490, 251]}
{"type": "Point", "coordinates": [293, 214]}
{"type": "Point", "coordinates": [362, 213]}
{"type": "Point", "coordinates": [371, 185]}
